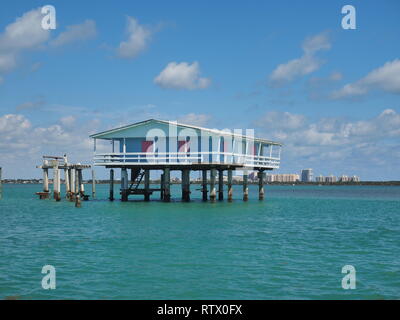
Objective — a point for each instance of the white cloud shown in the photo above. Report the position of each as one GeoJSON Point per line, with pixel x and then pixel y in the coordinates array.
{"type": "Point", "coordinates": [31, 105]}
{"type": "Point", "coordinates": [287, 72]}
{"type": "Point", "coordinates": [138, 39]}
{"type": "Point", "coordinates": [306, 64]}
{"type": "Point", "coordinates": [333, 144]}
{"type": "Point", "coordinates": [319, 88]}
{"type": "Point", "coordinates": [77, 32]}
{"type": "Point", "coordinates": [275, 120]}
{"type": "Point", "coordinates": [195, 119]}
{"type": "Point", "coordinates": [26, 33]}
{"type": "Point", "coordinates": [329, 131]}
{"type": "Point", "coordinates": [335, 76]}
{"type": "Point", "coordinates": [68, 121]}
{"type": "Point", "coordinates": [35, 67]}
{"type": "Point", "coordinates": [22, 144]}
{"type": "Point", "coordinates": [385, 78]}
{"type": "Point", "coordinates": [316, 43]}
{"type": "Point", "coordinates": [182, 76]}
{"type": "Point", "coordinates": [23, 34]}
{"type": "Point", "coordinates": [7, 61]}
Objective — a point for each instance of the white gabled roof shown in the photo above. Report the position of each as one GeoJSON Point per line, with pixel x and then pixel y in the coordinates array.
{"type": "Point", "coordinates": [214, 131]}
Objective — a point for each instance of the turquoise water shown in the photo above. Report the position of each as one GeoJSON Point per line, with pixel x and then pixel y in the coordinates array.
{"type": "Point", "coordinates": [293, 245]}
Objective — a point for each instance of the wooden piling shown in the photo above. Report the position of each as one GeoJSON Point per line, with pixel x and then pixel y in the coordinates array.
{"type": "Point", "coordinates": [220, 185]}
{"type": "Point", "coordinates": [260, 185]}
{"type": "Point", "coordinates": [204, 185]}
{"type": "Point", "coordinates": [93, 184]}
{"type": "Point", "coordinates": [111, 198]}
{"type": "Point", "coordinates": [147, 185]}
{"type": "Point", "coordinates": [213, 194]}
{"type": "Point", "coordinates": [245, 186]}
{"type": "Point", "coordinates": [230, 188]}
{"type": "Point", "coordinates": [167, 185]}
{"type": "Point", "coordinates": [162, 186]}
{"type": "Point", "coordinates": [186, 185]}
{"type": "Point", "coordinates": [124, 184]}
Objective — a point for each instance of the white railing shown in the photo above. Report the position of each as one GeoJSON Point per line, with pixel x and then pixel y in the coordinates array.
{"type": "Point", "coordinates": [174, 158]}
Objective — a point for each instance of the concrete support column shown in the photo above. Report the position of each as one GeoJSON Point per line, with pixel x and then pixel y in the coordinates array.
{"type": "Point", "coordinates": [204, 185]}
{"type": "Point", "coordinates": [147, 185]}
{"type": "Point", "coordinates": [167, 185]}
{"type": "Point", "coordinates": [56, 184]}
{"type": "Point", "coordinates": [213, 193]}
{"type": "Point", "coordinates": [186, 185]}
{"type": "Point", "coordinates": [111, 198]}
{"type": "Point", "coordinates": [72, 183]}
{"type": "Point", "coordinates": [230, 188]}
{"type": "Point", "coordinates": [46, 180]}
{"type": "Point", "coordinates": [67, 185]}
{"type": "Point", "coordinates": [260, 185]}
{"type": "Point", "coordinates": [124, 184]}
{"type": "Point", "coordinates": [245, 186]}
{"type": "Point", "coordinates": [81, 185]}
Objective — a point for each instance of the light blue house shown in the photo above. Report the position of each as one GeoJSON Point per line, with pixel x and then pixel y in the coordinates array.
{"type": "Point", "coordinates": [158, 143]}
{"type": "Point", "coordinates": [167, 145]}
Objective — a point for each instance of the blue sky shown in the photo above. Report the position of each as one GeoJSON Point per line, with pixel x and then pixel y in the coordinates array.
{"type": "Point", "coordinates": [285, 68]}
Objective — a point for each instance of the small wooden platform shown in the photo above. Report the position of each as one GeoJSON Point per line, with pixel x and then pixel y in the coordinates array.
{"type": "Point", "coordinates": [142, 191]}
{"type": "Point", "coordinates": [43, 195]}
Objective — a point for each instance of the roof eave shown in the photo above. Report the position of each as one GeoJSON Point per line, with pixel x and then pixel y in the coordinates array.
{"type": "Point", "coordinates": [220, 132]}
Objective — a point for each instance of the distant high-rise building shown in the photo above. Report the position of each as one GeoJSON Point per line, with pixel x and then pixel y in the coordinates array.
{"type": "Point", "coordinates": [282, 177]}
{"type": "Point", "coordinates": [330, 179]}
{"type": "Point", "coordinates": [306, 175]}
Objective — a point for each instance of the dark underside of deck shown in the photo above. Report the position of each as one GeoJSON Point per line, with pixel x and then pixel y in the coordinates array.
{"type": "Point", "coordinates": [193, 166]}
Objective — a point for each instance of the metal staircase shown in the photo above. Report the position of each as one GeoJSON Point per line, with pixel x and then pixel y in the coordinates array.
{"type": "Point", "coordinates": [136, 178]}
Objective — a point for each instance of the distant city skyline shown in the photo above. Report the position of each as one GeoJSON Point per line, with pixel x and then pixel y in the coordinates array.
{"type": "Point", "coordinates": [305, 176]}
{"type": "Point", "coordinates": [286, 69]}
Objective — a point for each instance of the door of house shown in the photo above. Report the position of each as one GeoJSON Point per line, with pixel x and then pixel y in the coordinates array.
{"type": "Point", "coordinates": [183, 146]}
{"type": "Point", "coordinates": [147, 147]}
{"type": "Point", "coordinates": [183, 149]}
